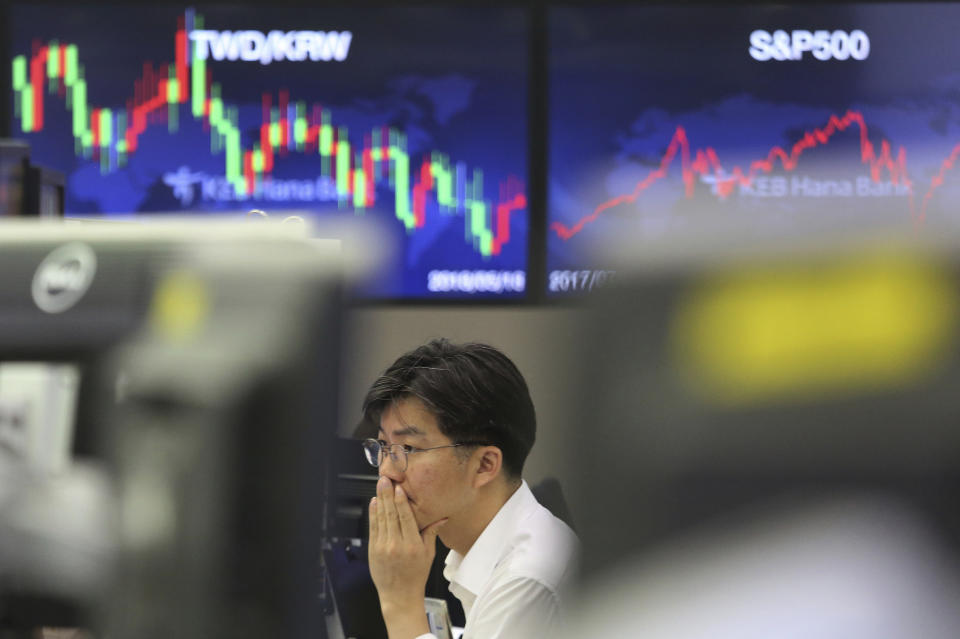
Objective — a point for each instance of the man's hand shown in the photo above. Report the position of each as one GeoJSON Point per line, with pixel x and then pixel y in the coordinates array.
{"type": "Point", "coordinates": [400, 556]}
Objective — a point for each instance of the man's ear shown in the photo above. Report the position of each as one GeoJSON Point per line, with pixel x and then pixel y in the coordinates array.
{"type": "Point", "coordinates": [489, 465]}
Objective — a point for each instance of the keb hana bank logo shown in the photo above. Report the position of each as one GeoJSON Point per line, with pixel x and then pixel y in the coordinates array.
{"type": "Point", "coordinates": [190, 187]}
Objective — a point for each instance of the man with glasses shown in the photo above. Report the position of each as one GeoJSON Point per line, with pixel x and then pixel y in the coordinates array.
{"type": "Point", "coordinates": [455, 424]}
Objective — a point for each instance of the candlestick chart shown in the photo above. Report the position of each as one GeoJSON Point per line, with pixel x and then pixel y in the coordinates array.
{"type": "Point", "coordinates": [232, 108]}
{"type": "Point", "coordinates": [709, 128]}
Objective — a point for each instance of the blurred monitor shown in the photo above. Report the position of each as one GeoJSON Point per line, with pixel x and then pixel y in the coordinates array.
{"type": "Point", "coordinates": [179, 487]}
{"type": "Point", "coordinates": [725, 379]}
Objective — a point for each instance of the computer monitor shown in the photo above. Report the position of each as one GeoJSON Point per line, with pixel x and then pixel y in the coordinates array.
{"type": "Point", "coordinates": [207, 357]}
{"type": "Point", "coordinates": [771, 117]}
{"type": "Point", "coordinates": [723, 377]}
{"type": "Point", "coordinates": [410, 116]}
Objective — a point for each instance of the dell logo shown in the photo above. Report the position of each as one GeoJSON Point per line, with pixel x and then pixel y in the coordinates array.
{"type": "Point", "coordinates": [63, 277]}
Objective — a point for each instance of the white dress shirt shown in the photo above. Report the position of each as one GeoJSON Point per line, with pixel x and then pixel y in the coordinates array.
{"type": "Point", "coordinates": [513, 580]}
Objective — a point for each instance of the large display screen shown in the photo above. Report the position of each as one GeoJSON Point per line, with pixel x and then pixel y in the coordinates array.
{"type": "Point", "coordinates": [413, 117]}
{"type": "Point", "coordinates": [772, 118]}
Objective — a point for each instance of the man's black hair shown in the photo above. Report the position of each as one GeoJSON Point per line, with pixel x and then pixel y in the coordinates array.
{"type": "Point", "coordinates": [475, 392]}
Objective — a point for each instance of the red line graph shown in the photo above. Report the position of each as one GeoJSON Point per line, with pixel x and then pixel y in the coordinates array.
{"type": "Point", "coordinates": [706, 161]}
{"type": "Point", "coordinates": [512, 199]}
{"type": "Point", "coordinates": [502, 235]}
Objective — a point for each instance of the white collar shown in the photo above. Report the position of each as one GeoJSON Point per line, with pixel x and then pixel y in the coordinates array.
{"type": "Point", "coordinates": [473, 570]}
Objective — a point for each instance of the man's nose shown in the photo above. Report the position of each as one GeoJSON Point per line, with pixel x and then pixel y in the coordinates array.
{"type": "Point", "coordinates": [391, 469]}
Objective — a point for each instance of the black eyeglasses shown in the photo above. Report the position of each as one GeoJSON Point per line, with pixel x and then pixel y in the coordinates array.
{"type": "Point", "coordinates": [376, 450]}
